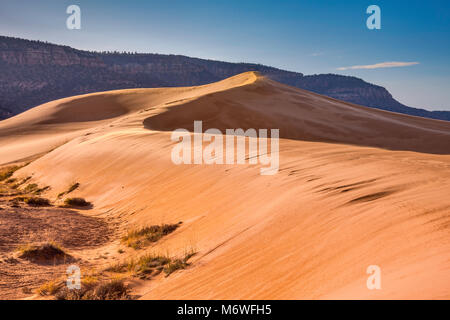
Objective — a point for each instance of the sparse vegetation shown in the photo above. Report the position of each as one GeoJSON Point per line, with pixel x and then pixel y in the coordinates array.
{"type": "Point", "coordinates": [137, 238]}
{"type": "Point", "coordinates": [36, 201]}
{"type": "Point", "coordinates": [19, 183]}
{"type": "Point", "coordinates": [49, 288]}
{"type": "Point", "coordinates": [40, 190]}
{"type": "Point", "coordinates": [47, 252]}
{"type": "Point", "coordinates": [143, 267]}
{"type": "Point", "coordinates": [76, 202]}
{"type": "Point", "coordinates": [148, 265]}
{"type": "Point", "coordinates": [31, 188]}
{"type": "Point", "coordinates": [32, 201]}
{"type": "Point", "coordinates": [6, 173]}
{"type": "Point", "coordinates": [89, 280]}
{"type": "Point", "coordinates": [175, 265]}
{"type": "Point", "coordinates": [106, 290]}
{"type": "Point", "coordinates": [71, 189]}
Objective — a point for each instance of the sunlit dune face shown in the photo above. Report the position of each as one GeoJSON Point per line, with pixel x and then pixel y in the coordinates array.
{"type": "Point", "coordinates": [356, 187]}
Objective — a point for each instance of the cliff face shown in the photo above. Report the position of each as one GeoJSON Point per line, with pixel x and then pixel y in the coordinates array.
{"type": "Point", "coordinates": [55, 56]}
{"type": "Point", "coordinates": [349, 89]}
{"type": "Point", "coordinates": [34, 72]}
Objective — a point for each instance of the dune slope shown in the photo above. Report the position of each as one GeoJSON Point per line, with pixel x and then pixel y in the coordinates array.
{"type": "Point", "coordinates": [356, 187]}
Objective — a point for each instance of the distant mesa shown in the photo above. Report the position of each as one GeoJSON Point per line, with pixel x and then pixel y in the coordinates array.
{"type": "Point", "coordinates": [35, 72]}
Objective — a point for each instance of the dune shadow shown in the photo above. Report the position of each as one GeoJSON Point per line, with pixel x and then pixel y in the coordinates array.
{"type": "Point", "coordinates": [305, 121]}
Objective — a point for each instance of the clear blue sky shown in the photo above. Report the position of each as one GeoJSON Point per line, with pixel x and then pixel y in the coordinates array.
{"type": "Point", "coordinates": [309, 36]}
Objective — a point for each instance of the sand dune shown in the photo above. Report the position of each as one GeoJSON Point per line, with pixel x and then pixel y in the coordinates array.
{"type": "Point", "coordinates": [356, 187]}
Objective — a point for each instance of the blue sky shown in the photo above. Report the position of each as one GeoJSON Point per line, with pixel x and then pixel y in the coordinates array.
{"type": "Point", "coordinates": [309, 36]}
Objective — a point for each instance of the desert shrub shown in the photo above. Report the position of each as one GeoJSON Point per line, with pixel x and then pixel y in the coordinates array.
{"type": "Point", "coordinates": [143, 267]}
{"type": "Point", "coordinates": [139, 237]}
{"type": "Point", "coordinates": [32, 187]}
{"type": "Point", "coordinates": [18, 184]}
{"type": "Point", "coordinates": [40, 190]}
{"type": "Point", "coordinates": [76, 202]}
{"type": "Point", "coordinates": [90, 281]}
{"type": "Point", "coordinates": [175, 265]}
{"type": "Point", "coordinates": [48, 252]}
{"type": "Point", "coordinates": [6, 173]}
{"type": "Point", "coordinates": [71, 189]}
{"type": "Point", "coordinates": [49, 288]}
{"type": "Point", "coordinates": [106, 290]}
{"type": "Point", "coordinates": [18, 199]}
{"type": "Point", "coordinates": [151, 265]}
{"type": "Point", "coordinates": [112, 290]}
{"type": "Point", "coordinates": [35, 201]}
{"type": "Point", "coordinates": [178, 264]}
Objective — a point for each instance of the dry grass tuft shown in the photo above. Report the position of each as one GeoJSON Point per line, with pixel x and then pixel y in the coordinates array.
{"type": "Point", "coordinates": [106, 290]}
{"type": "Point", "coordinates": [49, 288]}
{"type": "Point", "coordinates": [71, 189]}
{"type": "Point", "coordinates": [36, 201]}
{"type": "Point", "coordinates": [47, 252]}
{"type": "Point", "coordinates": [76, 202]}
{"type": "Point", "coordinates": [150, 265]}
{"type": "Point", "coordinates": [138, 238]}
{"type": "Point", "coordinates": [6, 173]}
{"type": "Point", "coordinates": [32, 201]}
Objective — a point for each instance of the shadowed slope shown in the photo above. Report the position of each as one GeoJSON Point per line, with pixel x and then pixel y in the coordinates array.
{"type": "Point", "coordinates": [302, 115]}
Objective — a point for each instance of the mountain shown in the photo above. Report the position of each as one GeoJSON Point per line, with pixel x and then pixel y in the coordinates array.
{"type": "Point", "coordinates": [34, 72]}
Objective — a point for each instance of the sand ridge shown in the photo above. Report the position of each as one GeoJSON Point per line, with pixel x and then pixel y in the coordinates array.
{"type": "Point", "coordinates": [356, 187]}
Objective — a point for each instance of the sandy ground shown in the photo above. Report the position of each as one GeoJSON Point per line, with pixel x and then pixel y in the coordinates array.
{"type": "Point", "coordinates": [356, 187]}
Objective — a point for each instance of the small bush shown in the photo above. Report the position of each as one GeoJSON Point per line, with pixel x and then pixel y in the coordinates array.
{"type": "Point", "coordinates": [18, 184]}
{"type": "Point", "coordinates": [7, 172]}
{"type": "Point", "coordinates": [174, 266]}
{"type": "Point", "coordinates": [107, 290]}
{"type": "Point", "coordinates": [89, 281]}
{"type": "Point", "coordinates": [48, 252]}
{"type": "Point", "coordinates": [31, 188]}
{"type": "Point", "coordinates": [112, 290]}
{"type": "Point", "coordinates": [71, 189]}
{"type": "Point", "coordinates": [49, 288]}
{"type": "Point", "coordinates": [178, 264]}
{"type": "Point", "coordinates": [18, 199]}
{"type": "Point", "coordinates": [151, 265]}
{"type": "Point", "coordinates": [143, 267]}
{"type": "Point", "coordinates": [140, 237]}
{"type": "Point", "coordinates": [76, 202]}
{"type": "Point", "coordinates": [38, 202]}
{"type": "Point", "coordinates": [40, 190]}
